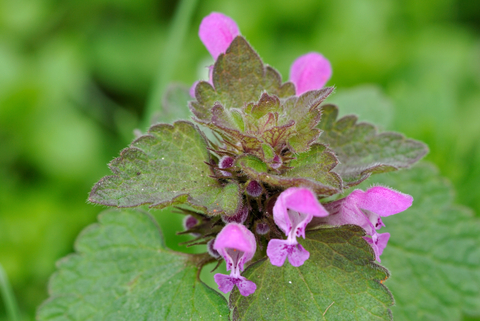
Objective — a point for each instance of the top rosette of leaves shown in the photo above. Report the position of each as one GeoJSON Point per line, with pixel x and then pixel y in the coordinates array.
{"type": "Point", "coordinates": [277, 151]}
{"type": "Point", "coordinates": [247, 104]}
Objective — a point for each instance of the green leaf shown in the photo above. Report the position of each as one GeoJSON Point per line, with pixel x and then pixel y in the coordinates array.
{"type": "Point", "coordinates": [433, 251]}
{"type": "Point", "coordinates": [123, 271]}
{"type": "Point", "coordinates": [306, 112]}
{"type": "Point", "coordinates": [312, 169]}
{"type": "Point", "coordinates": [174, 104]}
{"type": "Point", "coordinates": [362, 151]}
{"type": "Point", "coordinates": [166, 167]}
{"type": "Point", "coordinates": [239, 77]}
{"type": "Point", "coordinates": [340, 281]}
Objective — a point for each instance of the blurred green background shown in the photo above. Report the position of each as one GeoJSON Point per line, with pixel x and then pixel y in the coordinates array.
{"type": "Point", "coordinates": [75, 77]}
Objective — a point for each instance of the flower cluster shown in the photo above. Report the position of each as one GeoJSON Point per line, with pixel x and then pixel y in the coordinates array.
{"type": "Point", "coordinates": [294, 209]}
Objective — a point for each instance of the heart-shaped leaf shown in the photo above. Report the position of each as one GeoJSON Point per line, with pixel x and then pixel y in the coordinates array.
{"type": "Point", "coordinates": [123, 271]}
{"type": "Point", "coordinates": [166, 167]}
{"type": "Point", "coordinates": [339, 281]}
{"type": "Point", "coordinates": [362, 151]}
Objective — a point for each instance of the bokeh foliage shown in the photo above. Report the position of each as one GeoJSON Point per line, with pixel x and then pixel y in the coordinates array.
{"type": "Point", "coordinates": [75, 77]}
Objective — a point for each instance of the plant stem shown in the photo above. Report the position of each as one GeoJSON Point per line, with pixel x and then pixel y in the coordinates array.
{"type": "Point", "coordinates": [176, 36]}
{"type": "Point", "coordinates": [8, 297]}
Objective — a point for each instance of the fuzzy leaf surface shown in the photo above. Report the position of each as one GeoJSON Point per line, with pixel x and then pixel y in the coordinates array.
{"type": "Point", "coordinates": [433, 251]}
{"type": "Point", "coordinates": [166, 167]}
{"type": "Point", "coordinates": [340, 270]}
{"type": "Point", "coordinates": [362, 151]}
{"type": "Point", "coordinates": [239, 77]}
{"type": "Point", "coordinates": [306, 112]}
{"type": "Point", "coordinates": [312, 169]}
{"type": "Point", "coordinates": [123, 271]}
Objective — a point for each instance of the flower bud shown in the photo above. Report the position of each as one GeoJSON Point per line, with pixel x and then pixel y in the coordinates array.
{"type": "Point", "coordinates": [226, 162]}
{"type": "Point", "coordinates": [239, 217]}
{"type": "Point", "coordinates": [254, 189]}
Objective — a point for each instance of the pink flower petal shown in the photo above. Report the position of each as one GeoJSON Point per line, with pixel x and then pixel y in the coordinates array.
{"type": "Point", "coordinates": [246, 287]}
{"type": "Point", "coordinates": [345, 211]}
{"type": "Point", "coordinates": [278, 250]}
{"type": "Point", "coordinates": [301, 200]}
{"type": "Point", "coordinates": [379, 244]}
{"type": "Point", "coordinates": [235, 236]}
{"type": "Point", "coordinates": [297, 255]}
{"type": "Point", "coordinates": [381, 200]}
{"type": "Point", "coordinates": [225, 282]}
{"type": "Point", "coordinates": [217, 31]}
{"type": "Point", "coordinates": [310, 72]}
{"type": "Point", "coordinates": [192, 89]}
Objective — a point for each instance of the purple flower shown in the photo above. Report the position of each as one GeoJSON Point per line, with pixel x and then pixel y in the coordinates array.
{"type": "Point", "coordinates": [226, 162]}
{"type": "Point", "coordinates": [310, 72]}
{"type": "Point", "coordinates": [236, 244]}
{"type": "Point", "coordinates": [254, 189]}
{"type": "Point", "coordinates": [378, 242]}
{"type": "Point", "coordinates": [217, 31]}
{"type": "Point", "coordinates": [238, 217]}
{"type": "Point", "coordinates": [293, 210]}
{"type": "Point", "coordinates": [213, 253]}
{"type": "Point", "coordinates": [365, 209]}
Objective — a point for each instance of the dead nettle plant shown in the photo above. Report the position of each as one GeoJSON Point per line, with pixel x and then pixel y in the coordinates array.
{"type": "Point", "coordinates": [265, 175]}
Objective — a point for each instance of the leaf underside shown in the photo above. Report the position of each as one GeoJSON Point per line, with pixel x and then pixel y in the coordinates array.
{"type": "Point", "coordinates": [166, 167]}
{"type": "Point", "coordinates": [433, 251]}
{"type": "Point", "coordinates": [362, 151]}
{"type": "Point", "coordinates": [122, 271]}
{"type": "Point", "coordinates": [339, 281]}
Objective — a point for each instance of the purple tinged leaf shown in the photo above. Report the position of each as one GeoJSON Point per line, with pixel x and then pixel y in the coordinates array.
{"type": "Point", "coordinates": [217, 31]}
{"type": "Point", "coordinates": [310, 72]}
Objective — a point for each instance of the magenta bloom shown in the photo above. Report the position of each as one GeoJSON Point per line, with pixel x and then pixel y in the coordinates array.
{"type": "Point", "coordinates": [293, 210]}
{"type": "Point", "coordinates": [310, 72]}
{"type": "Point", "coordinates": [365, 209]}
{"type": "Point", "coordinates": [236, 244]}
{"type": "Point", "coordinates": [217, 31]}
{"type": "Point", "coordinates": [378, 242]}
